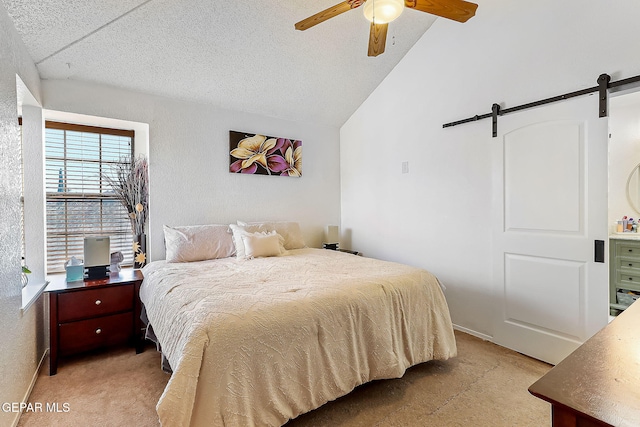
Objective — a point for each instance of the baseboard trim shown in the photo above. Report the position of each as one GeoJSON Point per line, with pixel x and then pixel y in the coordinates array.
{"type": "Point", "coordinates": [472, 332]}
{"type": "Point", "coordinates": [25, 399]}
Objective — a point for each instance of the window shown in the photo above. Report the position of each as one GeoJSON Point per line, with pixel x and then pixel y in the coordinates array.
{"type": "Point", "coordinates": [80, 202]}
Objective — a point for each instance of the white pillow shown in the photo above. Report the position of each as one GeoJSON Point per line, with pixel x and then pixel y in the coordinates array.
{"type": "Point", "coordinates": [197, 242]}
{"type": "Point", "coordinates": [261, 244]}
{"type": "Point", "coordinates": [240, 232]}
{"type": "Point", "coordinates": [289, 230]}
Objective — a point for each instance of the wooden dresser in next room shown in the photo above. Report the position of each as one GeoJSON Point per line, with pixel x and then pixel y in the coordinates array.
{"type": "Point", "coordinates": [94, 314]}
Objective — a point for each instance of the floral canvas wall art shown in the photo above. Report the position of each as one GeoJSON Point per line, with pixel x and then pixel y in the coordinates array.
{"type": "Point", "coordinates": [264, 155]}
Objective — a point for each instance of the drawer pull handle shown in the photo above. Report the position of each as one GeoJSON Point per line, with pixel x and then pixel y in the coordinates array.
{"type": "Point", "coordinates": [630, 250]}
{"type": "Point", "coordinates": [630, 278]}
{"type": "Point", "coordinates": [630, 265]}
{"type": "Point", "coordinates": [98, 302]}
{"type": "Point", "coordinates": [98, 331]}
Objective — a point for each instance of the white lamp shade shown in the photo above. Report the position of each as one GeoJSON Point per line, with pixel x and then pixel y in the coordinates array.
{"type": "Point", "coordinates": [332, 234]}
{"type": "Point", "coordinates": [383, 11]}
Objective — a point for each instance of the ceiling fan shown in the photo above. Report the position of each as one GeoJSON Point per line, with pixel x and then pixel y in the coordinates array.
{"type": "Point", "coordinates": [381, 12]}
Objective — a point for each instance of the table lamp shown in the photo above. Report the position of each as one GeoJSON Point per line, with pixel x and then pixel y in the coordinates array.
{"type": "Point", "coordinates": [332, 237]}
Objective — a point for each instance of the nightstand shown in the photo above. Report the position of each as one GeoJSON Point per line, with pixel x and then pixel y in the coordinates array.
{"type": "Point", "coordinates": [93, 314]}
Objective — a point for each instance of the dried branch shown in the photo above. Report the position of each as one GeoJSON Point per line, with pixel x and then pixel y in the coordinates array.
{"type": "Point", "coordinates": [129, 180]}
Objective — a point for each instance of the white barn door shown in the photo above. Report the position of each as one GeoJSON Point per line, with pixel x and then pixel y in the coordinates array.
{"type": "Point", "coordinates": [550, 205]}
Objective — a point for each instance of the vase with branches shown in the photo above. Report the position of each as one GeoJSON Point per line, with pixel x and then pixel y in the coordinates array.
{"type": "Point", "coordinates": [129, 180]}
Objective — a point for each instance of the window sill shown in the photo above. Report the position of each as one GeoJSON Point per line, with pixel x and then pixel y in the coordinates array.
{"type": "Point", "coordinates": [30, 294]}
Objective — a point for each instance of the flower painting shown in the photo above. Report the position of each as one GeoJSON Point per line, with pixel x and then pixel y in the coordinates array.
{"type": "Point", "coordinates": [264, 155]}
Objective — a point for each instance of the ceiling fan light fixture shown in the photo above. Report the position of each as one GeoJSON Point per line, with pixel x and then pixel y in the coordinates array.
{"type": "Point", "coordinates": [383, 11]}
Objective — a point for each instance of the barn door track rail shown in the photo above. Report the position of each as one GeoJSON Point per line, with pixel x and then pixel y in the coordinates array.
{"type": "Point", "coordinates": [604, 84]}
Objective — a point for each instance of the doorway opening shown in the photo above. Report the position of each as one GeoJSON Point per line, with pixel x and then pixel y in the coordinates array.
{"type": "Point", "coordinates": [624, 200]}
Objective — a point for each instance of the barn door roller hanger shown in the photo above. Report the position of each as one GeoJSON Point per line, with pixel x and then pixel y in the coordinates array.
{"type": "Point", "coordinates": [604, 84]}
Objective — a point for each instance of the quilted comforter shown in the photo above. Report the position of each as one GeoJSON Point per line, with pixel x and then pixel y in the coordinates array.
{"type": "Point", "coordinates": [261, 341]}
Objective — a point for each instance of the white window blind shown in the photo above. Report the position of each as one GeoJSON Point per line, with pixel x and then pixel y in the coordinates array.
{"type": "Point", "coordinates": [80, 202]}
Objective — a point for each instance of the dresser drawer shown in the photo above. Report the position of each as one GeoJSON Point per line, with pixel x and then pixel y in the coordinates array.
{"type": "Point", "coordinates": [94, 302]}
{"type": "Point", "coordinates": [628, 249]}
{"type": "Point", "coordinates": [628, 280]}
{"type": "Point", "coordinates": [628, 263]}
{"type": "Point", "coordinates": [88, 334]}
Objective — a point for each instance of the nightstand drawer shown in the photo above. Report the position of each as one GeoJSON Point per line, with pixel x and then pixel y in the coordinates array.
{"type": "Point", "coordinates": [95, 302]}
{"type": "Point", "coordinates": [88, 334]}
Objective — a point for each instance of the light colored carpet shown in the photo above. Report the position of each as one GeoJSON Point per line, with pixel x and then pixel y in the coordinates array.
{"type": "Point", "coordinates": [486, 385]}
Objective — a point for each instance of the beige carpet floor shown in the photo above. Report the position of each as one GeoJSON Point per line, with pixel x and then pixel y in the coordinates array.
{"type": "Point", "coordinates": [486, 385]}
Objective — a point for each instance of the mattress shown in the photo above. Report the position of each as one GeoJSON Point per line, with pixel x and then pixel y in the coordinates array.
{"type": "Point", "coordinates": [261, 341]}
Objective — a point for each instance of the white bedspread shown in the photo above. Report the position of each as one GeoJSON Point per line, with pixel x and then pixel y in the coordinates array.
{"type": "Point", "coordinates": [261, 341]}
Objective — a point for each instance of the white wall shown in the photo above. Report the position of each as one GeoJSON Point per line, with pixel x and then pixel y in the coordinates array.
{"type": "Point", "coordinates": [21, 335]}
{"type": "Point", "coordinates": [439, 215]}
{"type": "Point", "coordinates": [189, 162]}
{"type": "Point", "coordinates": [34, 195]}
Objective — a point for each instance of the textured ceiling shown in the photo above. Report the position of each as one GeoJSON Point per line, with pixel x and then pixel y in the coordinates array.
{"type": "Point", "coordinates": [243, 56]}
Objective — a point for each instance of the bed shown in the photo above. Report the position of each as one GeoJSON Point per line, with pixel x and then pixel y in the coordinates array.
{"type": "Point", "coordinates": [259, 341]}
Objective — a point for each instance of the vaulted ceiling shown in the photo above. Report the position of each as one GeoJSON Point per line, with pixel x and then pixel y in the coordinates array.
{"type": "Point", "coordinates": [238, 55]}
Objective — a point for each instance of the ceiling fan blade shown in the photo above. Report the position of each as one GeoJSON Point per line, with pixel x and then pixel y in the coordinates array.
{"type": "Point", "coordinates": [458, 10]}
{"type": "Point", "coordinates": [326, 14]}
{"type": "Point", "coordinates": [377, 39]}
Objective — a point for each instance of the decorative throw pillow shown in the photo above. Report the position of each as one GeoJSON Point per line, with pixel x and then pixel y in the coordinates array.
{"type": "Point", "coordinates": [197, 242]}
{"type": "Point", "coordinates": [261, 244]}
{"type": "Point", "coordinates": [240, 232]}
{"type": "Point", "coordinates": [289, 230]}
